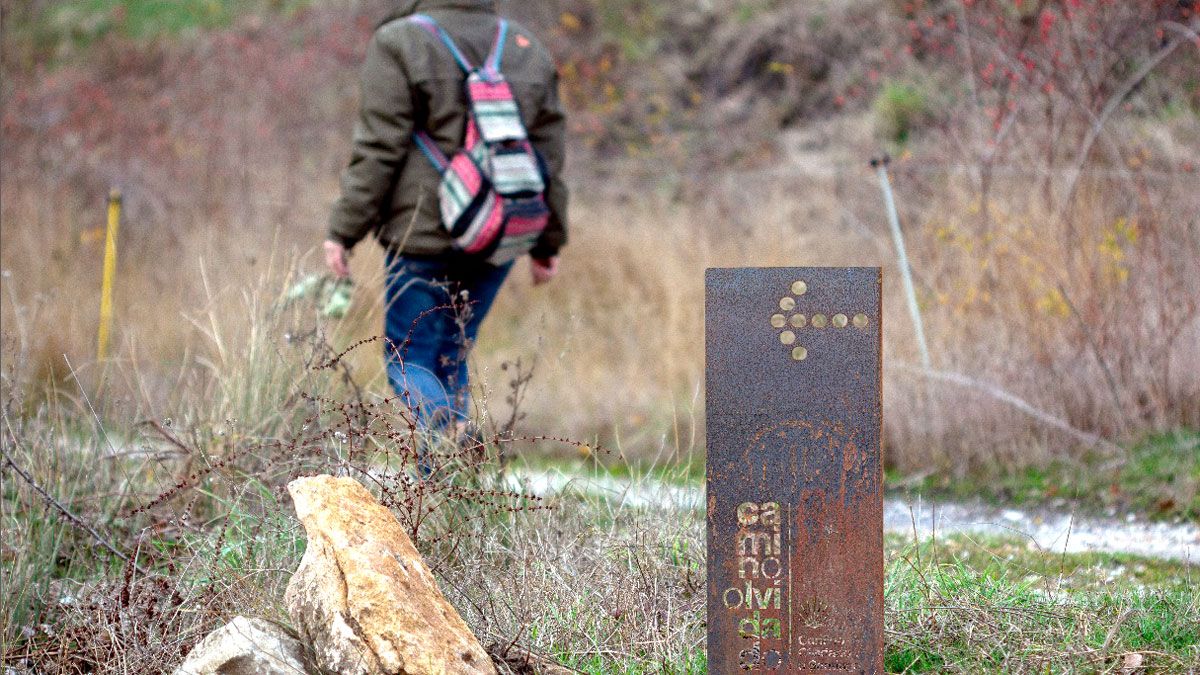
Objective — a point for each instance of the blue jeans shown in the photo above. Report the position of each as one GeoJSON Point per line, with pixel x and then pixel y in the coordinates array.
{"type": "Point", "coordinates": [434, 309]}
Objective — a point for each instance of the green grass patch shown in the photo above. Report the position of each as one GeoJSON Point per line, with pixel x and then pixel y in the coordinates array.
{"type": "Point", "coordinates": [900, 109]}
{"type": "Point", "coordinates": [62, 31]}
{"type": "Point", "coordinates": [688, 471]}
{"type": "Point", "coordinates": [1160, 478]}
{"type": "Point", "coordinates": [997, 605]}
{"type": "Point", "coordinates": [84, 21]}
{"type": "Point", "coordinates": [696, 663]}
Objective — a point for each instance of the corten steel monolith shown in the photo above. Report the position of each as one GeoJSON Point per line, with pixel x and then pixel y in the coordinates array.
{"type": "Point", "coordinates": [795, 507]}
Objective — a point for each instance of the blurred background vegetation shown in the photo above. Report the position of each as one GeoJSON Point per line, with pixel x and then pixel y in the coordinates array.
{"type": "Point", "coordinates": [1047, 168]}
{"type": "Point", "coordinates": [1046, 158]}
{"type": "Point", "coordinates": [1046, 185]}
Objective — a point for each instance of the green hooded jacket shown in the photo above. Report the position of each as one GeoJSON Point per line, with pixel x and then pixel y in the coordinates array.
{"type": "Point", "coordinates": [410, 81]}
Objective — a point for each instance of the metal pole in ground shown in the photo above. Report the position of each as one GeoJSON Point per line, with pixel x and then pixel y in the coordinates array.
{"type": "Point", "coordinates": [880, 165]}
{"type": "Point", "coordinates": [110, 274]}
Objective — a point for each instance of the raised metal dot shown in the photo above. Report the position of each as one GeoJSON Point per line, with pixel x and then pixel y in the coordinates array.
{"type": "Point", "coordinates": [860, 320]}
{"type": "Point", "coordinates": [799, 353]}
{"type": "Point", "coordinates": [787, 337]}
{"type": "Point", "coordinates": [787, 304]}
{"type": "Point", "coordinates": [840, 320]}
{"type": "Point", "coordinates": [778, 321]}
{"type": "Point", "coordinates": [799, 288]}
{"type": "Point", "coordinates": [799, 320]}
{"type": "Point", "coordinates": [819, 321]}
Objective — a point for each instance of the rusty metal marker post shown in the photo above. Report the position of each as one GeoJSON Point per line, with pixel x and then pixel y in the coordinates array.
{"type": "Point", "coordinates": [795, 507]}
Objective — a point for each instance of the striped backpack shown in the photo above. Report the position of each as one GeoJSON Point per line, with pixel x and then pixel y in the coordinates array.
{"type": "Point", "coordinates": [492, 192]}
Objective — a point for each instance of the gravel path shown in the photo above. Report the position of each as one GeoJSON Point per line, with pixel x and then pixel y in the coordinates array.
{"type": "Point", "coordinates": [1049, 529]}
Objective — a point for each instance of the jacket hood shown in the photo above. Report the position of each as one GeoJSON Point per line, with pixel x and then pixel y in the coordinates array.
{"type": "Point", "coordinates": [403, 8]}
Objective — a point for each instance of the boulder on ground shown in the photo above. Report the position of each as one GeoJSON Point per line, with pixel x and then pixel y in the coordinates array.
{"type": "Point", "coordinates": [363, 599]}
{"type": "Point", "coordinates": [246, 647]}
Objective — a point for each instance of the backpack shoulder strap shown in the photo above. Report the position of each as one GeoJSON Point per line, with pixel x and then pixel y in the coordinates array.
{"type": "Point", "coordinates": [497, 55]}
{"type": "Point", "coordinates": [431, 151]}
{"type": "Point", "coordinates": [435, 29]}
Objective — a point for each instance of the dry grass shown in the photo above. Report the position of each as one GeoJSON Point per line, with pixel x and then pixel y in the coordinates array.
{"type": "Point", "coordinates": [1089, 335]}
{"type": "Point", "coordinates": [1085, 308]}
{"type": "Point", "coordinates": [621, 338]}
{"type": "Point", "coordinates": [601, 588]}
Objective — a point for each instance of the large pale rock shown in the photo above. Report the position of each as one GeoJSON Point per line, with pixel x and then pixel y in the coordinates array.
{"type": "Point", "coordinates": [246, 647]}
{"type": "Point", "coordinates": [363, 598]}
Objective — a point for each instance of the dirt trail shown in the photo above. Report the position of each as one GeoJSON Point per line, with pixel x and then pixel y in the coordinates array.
{"type": "Point", "coordinates": [1048, 529]}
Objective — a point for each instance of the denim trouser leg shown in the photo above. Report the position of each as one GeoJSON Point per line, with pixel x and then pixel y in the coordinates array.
{"type": "Point", "coordinates": [429, 373]}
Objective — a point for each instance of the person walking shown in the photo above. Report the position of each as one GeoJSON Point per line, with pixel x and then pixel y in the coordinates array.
{"type": "Point", "coordinates": [456, 170]}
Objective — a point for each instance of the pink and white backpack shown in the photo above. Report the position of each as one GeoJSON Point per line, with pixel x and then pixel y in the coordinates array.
{"type": "Point", "coordinates": [492, 192]}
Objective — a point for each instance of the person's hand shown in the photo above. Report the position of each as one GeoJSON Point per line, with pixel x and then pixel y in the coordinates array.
{"type": "Point", "coordinates": [335, 259]}
{"type": "Point", "coordinates": [544, 270]}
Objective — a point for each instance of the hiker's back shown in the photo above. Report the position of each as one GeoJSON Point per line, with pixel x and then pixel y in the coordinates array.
{"type": "Point", "coordinates": [438, 80]}
{"type": "Point", "coordinates": [434, 101]}
{"type": "Point", "coordinates": [412, 83]}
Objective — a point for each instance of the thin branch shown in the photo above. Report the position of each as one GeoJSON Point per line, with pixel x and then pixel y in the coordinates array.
{"type": "Point", "coordinates": [1109, 379]}
{"type": "Point", "coordinates": [1021, 404]}
{"type": "Point", "coordinates": [58, 506]}
{"type": "Point", "coordinates": [1113, 103]}
{"type": "Point", "coordinates": [1113, 631]}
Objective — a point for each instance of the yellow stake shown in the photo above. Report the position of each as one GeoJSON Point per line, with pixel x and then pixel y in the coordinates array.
{"type": "Point", "coordinates": [110, 273]}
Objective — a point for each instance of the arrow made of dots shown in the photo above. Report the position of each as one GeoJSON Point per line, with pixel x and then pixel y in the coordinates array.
{"type": "Point", "coordinates": [788, 338]}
